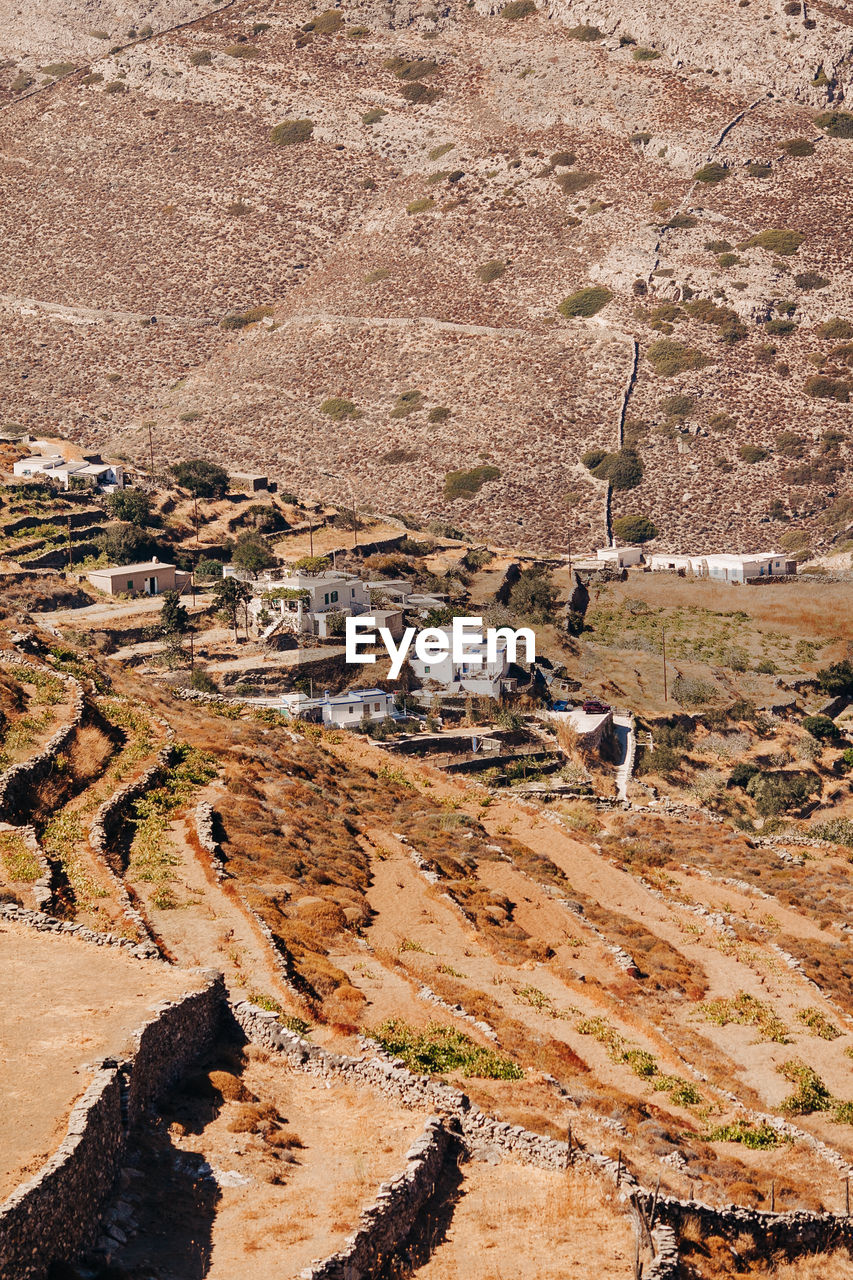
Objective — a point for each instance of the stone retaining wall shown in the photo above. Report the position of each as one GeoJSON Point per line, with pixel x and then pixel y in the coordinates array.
{"type": "Point", "coordinates": [205, 834]}
{"type": "Point", "coordinates": [385, 1224]}
{"type": "Point", "coordinates": [17, 782]}
{"type": "Point", "coordinates": [796, 1232]}
{"type": "Point", "coordinates": [48, 924]}
{"type": "Point", "coordinates": [56, 1213]}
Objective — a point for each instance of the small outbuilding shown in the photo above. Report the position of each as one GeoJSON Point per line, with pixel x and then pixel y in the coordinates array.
{"type": "Point", "coordinates": [148, 579]}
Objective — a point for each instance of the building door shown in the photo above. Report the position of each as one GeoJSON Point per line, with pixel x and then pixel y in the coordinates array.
{"type": "Point", "coordinates": [151, 586]}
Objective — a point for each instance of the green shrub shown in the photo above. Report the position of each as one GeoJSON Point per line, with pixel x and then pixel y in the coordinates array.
{"type": "Point", "coordinates": [201, 58]}
{"type": "Point", "coordinates": [837, 124]}
{"type": "Point", "coordinates": [407, 402]}
{"type": "Point", "coordinates": [465, 484]}
{"type": "Point", "coordinates": [239, 320]}
{"type": "Point", "coordinates": [411, 69]}
{"type": "Point", "coordinates": [821, 727]}
{"type": "Point", "coordinates": [781, 240]}
{"type": "Point", "coordinates": [642, 139]}
{"type": "Point", "coordinates": [439, 1049]}
{"type": "Point", "coordinates": [669, 358]}
{"type": "Point", "coordinates": [593, 457]}
{"type": "Point", "coordinates": [585, 302]}
{"type": "Point", "coordinates": [810, 280]}
{"type": "Point", "coordinates": [717, 246]}
{"type": "Point", "coordinates": [562, 159]}
{"type": "Point", "coordinates": [790, 444]}
{"type": "Point", "coordinates": [57, 69]}
{"type": "Point", "coordinates": [729, 323]}
{"type": "Point", "coordinates": [94, 77]}
{"type": "Point", "coordinates": [780, 328]}
{"type": "Point", "coordinates": [681, 222]}
{"type": "Point", "coordinates": [820, 387]}
{"type": "Point", "coordinates": [798, 147]}
{"type": "Point", "coordinates": [490, 271]}
{"type": "Point", "coordinates": [339, 409]}
{"type": "Point", "coordinates": [518, 9]}
{"type": "Point", "coordinates": [743, 773]}
{"type": "Point", "coordinates": [373, 116]}
{"type": "Point", "coordinates": [761, 1137]}
{"type": "Point", "coordinates": [818, 1023]}
{"type": "Point", "coordinates": [835, 328]}
{"type": "Point", "coordinates": [421, 206]}
{"type": "Point", "coordinates": [291, 131]}
{"type": "Point", "coordinates": [752, 453]}
{"type": "Point", "coordinates": [746, 1010]}
{"type": "Point", "coordinates": [575, 180]}
{"type": "Point", "coordinates": [115, 86]}
{"type": "Point", "coordinates": [438, 152]}
{"type": "Point", "coordinates": [810, 1095]}
{"type": "Point", "coordinates": [759, 170]}
{"type": "Point", "coordinates": [585, 33]}
{"type": "Point", "coordinates": [419, 93]}
{"type": "Point", "coordinates": [439, 414]}
{"type": "Point", "coordinates": [678, 406]}
{"type": "Point", "coordinates": [645, 55]}
{"type": "Point", "coordinates": [327, 23]}
{"type": "Point", "coordinates": [634, 529]}
{"type": "Point", "coordinates": [711, 173]}
{"type": "Point", "coordinates": [249, 52]}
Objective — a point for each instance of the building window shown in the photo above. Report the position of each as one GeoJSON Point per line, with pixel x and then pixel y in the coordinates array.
{"type": "Point", "coordinates": [377, 706]}
{"type": "Point", "coordinates": [351, 711]}
{"type": "Point", "coordinates": [334, 597]}
{"type": "Point", "coordinates": [130, 584]}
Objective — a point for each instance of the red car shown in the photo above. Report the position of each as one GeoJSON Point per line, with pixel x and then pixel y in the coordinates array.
{"type": "Point", "coordinates": [595, 707]}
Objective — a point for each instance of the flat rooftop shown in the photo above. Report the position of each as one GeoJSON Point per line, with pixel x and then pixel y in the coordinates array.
{"type": "Point", "coordinates": [66, 1005]}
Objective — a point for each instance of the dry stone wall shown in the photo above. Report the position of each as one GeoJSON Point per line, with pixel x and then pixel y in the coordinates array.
{"type": "Point", "coordinates": [56, 1213]}
{"type": "Point", "coordinates": [206, 835]}
{"type": "Point", "coordinates": [386, 1223]}
{"type": "Point", "coordinates": [17, 782]}
{"type": "Point", "coordinates": [49, 924]}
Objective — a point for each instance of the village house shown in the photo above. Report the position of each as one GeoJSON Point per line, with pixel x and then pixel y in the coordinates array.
{"type": "Point", "coordinates": [726, 567]}
{"type": "Point", "coordinates": [304, 603]}
{"type": "Point", "coordinates": [149, 579]}
{"type": "Point", "coordinates": [343, 710]}
{"type": "Point", "coordinates": [89, 471]}
{"type": "Point", "coordinates": [488, 678]}
{"type": "Point", "coordinates": [620, 557]}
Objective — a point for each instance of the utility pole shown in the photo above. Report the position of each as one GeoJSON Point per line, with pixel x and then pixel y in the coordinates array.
{"type": "Point", "coordinates": [663, 638]}
{"type": "Point", "coordinates": [311, 534]}
{"type": "Point", "coordinates": [151, 446]}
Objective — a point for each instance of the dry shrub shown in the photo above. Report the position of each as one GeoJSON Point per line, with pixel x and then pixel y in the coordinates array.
{"type": "Point", "coordinates": [221, 1084]}
{"type": "Point", "coordinates": [253, 1117]}
{"type": "Point", "coordinates": [284, 1140]}
{"type": "Point", "coordinates": [326, 917]}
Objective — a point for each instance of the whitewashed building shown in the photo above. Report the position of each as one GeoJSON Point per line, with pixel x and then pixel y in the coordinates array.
{"type": "Point", "coordinates": [487, 677]}
{"type": "Point", "coordinates": [726, 567]}
{"type": "Point", "coordinates": [90, 471]}
{"type": "Point", "coordinates": [620, 557]}
{"type": "Point", "coordinates": [344, 710]}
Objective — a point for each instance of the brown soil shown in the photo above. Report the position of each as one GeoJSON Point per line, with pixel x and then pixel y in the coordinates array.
{"type": "Point", "coordinates": [65, 1006]}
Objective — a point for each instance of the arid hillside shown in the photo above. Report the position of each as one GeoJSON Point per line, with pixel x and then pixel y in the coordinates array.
{"type": "Point", "coordinates": [442, 239]}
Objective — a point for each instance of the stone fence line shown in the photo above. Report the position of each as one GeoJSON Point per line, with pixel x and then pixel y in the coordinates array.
{"type": "Point", "coordinates": [17, 782]}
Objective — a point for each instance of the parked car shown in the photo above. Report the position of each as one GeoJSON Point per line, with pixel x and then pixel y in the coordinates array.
{"type": "Point", "coordinates": [595, 707]}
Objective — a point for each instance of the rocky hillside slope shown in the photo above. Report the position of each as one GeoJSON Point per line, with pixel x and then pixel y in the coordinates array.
{"type": "Point", "coordinates": [393, 263]}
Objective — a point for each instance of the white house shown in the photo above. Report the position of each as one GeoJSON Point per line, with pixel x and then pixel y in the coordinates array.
{"type": "Point", "coordinates": [91, 470]}
{"type": "Point", "coordinates": [666, 562]}
{"type": "Point", "coordinates": [726, 567]}
{"type": "Point", "coordinates": [467, 676]}
{"type": "Point", "coordinates": [342, 709]}
{"type": "Point", "coordinates": [620, 557]}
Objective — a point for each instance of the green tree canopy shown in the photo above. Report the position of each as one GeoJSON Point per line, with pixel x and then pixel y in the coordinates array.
{"type": "Point", "coordinates": [252, 554]}
{"type": "Point", "coordinates": [174, 619]}
{"type": "Point", "coordinates": [534, 595]}
{"type": "Point", "coordinates": [837, 679]}
{"type": "Point", "coordinates": [130, 505]}
{"type": "Point", "coordinates": [127, 544]}
{"type": "Point", "coordinates": [202, 478]}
